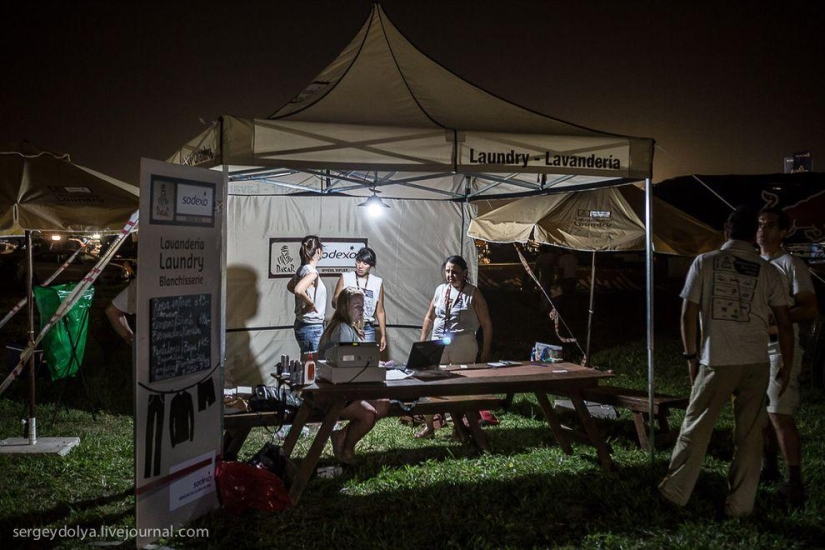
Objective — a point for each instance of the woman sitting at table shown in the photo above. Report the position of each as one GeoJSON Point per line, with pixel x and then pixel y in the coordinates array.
{"type": "Point", "coordinates": [346, 326]}
{"type": "Point", "coordinates": [456, 312]}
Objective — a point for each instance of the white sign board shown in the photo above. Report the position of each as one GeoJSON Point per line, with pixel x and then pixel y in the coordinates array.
{"type": "Point", "coordinates": [178, 366]}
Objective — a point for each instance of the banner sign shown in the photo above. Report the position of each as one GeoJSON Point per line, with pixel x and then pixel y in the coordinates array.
{"type": "Point", "coordinates": [338, 257]}
{"type": "Point", "coordinates": [178, 366]}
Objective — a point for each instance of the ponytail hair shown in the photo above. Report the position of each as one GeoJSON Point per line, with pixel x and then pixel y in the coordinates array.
{"type": "Point", "coordinates": [309, 247]}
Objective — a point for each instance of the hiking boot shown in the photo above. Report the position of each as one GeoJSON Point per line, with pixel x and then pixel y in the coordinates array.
{"type": "Point", "coordinates": [795, 495]}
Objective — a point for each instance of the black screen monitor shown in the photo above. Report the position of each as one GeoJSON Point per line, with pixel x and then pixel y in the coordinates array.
{"type": "Point", "coordinates": [425, 355]}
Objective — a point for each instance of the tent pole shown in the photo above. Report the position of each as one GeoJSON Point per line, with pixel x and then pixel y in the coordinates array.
{"type": "Point", "coordinates": [590, 309]}
{"type": "Point", "coordinates": [32, 425]}
{"type": "Point", "coordinates": [649, 284]}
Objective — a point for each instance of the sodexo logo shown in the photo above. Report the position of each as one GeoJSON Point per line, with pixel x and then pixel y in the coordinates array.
{"type": "Point", "coordinates": [195, 200]}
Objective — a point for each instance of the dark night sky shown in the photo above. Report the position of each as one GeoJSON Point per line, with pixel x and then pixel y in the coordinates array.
{"type": "Point", "coordinates": [723, 87]}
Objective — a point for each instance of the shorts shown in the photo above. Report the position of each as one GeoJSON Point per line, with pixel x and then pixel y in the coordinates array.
{"type": "Point", "coordinates": [308, 335]}
{"type": "Point", "coordinates": [462, 350]}
{"type": "Point", "coordinates": [788, 401]}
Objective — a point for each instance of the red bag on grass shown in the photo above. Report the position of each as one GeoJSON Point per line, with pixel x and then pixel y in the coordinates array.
{"type": "Point", "coordinates": [242, 486]}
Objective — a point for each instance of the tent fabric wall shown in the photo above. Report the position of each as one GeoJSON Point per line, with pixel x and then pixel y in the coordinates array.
{"type": "Point", "coordinates": [411, 240]}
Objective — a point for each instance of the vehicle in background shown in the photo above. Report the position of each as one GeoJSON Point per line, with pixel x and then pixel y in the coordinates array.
{"type": "Point", "coordinates": [46, 262]}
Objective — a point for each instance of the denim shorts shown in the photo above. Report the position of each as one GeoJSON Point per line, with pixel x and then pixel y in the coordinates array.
{"type": "Point", "coordinates": [307, 335]}
{"type": "Point", "coordinates": [369, 332]}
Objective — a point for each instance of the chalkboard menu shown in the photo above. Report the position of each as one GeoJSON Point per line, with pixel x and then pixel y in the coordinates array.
{"type": "Point", "coordinates": [181, 338]}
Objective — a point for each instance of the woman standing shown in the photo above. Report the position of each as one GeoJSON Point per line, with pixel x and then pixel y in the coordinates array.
{"type": "Point", "coordinates": [345, 326]}
{"type": "Point", "coordinates": [456, 312]}
{"type": "Point", "coordinates": [310, 295]}
{"type": "Point", "coordinates": [373, 288]}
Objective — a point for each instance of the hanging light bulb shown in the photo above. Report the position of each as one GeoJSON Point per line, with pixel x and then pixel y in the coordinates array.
{"type": "Point", "coordinates": [375, 206]}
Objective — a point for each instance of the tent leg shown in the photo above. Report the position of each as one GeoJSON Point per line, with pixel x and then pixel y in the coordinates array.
{"type": "Point", "coordinates": [32, 424]}
{"type": "Point", "coordinates": [590, 308]}
{"type": "Point", "coordinates": [649, 273]}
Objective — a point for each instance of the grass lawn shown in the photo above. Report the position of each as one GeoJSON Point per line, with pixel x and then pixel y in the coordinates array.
{"type": "Point", "coordinates": [408, 493]}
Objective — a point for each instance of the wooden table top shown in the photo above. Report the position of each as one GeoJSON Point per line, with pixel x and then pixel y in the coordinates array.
{"type": "Point", "coordinates": [474, 379]}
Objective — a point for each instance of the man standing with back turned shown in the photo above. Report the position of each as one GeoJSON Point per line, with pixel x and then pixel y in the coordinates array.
{"type": "Point", "coordinates": [733, 292]}
{"type": "Point", "coordinates": [773, 227]}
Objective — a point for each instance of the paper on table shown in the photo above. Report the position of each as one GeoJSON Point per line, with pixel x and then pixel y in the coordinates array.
{"type": "Point", "coordinates": [397, 374]}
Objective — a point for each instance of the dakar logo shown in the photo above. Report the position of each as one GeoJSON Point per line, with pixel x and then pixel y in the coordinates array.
{"type": "Point", "coordinates": [285, 258]}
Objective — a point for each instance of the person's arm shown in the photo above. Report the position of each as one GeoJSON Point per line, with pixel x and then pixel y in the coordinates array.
{"type": "Point", "coordinates": [786, 340]}
{"type": "Point", "coordinates": [382, 319]}
{"type": "Point", "coordinates": [805, 307]}
{"type": "Point", "coordinates": [120, 323]}
{"type": "Point", "coordinates": [690, 320]}
{"type": "Point", "coordinates": [301, 290]}
{"type": "Point", "coordinates": [338, 288]}
{"type": "Point", "coordinates": [483, 314]}
{"type": "Point", "coordinates": [427, 324]}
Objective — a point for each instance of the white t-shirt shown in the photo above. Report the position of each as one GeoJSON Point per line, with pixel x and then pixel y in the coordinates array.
{"type": "Point", "coordinates": [341, 333]}
{"type": "Point", "coordinates": [735, 290]}
{"type": "Point", "coordinates": [797, 279]}
{"type": "Point", "coordinates": [126, 300]}
{"type": "Point", "coordinates": [371, 286]}
{"type": "Point", "coordinates": [318, 294]}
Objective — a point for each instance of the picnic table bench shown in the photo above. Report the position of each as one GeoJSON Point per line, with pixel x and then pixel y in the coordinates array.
{"type": "Point", "coordinates": [637, 401]}
{"type": "Point", "coordinates": [237, 426]}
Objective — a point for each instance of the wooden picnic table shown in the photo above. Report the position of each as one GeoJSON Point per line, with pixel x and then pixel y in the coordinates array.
{"type": "Point", "coordinates": [541, 379]}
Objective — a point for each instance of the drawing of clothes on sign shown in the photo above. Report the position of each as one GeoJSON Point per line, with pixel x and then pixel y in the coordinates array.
{"type": "Point", "coordinates": [154, 434]}
{"type": "Point", "coordinates": [181, 418]}
{"type": "Point", "coordinates": [206, 394]}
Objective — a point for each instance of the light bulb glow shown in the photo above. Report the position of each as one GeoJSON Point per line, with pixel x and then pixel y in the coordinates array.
{"type": "Point", "coordinates": [375, 210]}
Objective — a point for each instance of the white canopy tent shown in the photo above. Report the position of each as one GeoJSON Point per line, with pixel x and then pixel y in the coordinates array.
{"type": "Point", "coordinates": [384, 117]}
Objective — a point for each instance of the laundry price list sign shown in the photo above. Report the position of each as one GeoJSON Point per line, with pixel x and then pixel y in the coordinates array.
{"type": "Point", "coordinates": [178, 350]}
{"type": "Point", "coordinates": [180, 335]}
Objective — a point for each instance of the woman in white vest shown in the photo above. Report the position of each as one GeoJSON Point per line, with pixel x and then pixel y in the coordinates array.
{"type": "Point", "coordinates": [373, 288]}
{"type": "Point", "coordinates": [456, 312]}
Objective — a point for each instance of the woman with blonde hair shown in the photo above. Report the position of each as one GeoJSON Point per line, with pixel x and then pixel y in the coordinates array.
{"type": "Point", "coordinates": [346, 325]}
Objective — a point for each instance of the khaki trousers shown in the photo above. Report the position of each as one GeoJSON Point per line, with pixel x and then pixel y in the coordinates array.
{"type": "Point", "coordinates": [713, 387]}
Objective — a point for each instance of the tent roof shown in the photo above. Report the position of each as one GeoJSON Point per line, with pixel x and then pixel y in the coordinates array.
{"type": "Point", "coordinates": [383, 115]}
{"type": "Point", "coordinates": [599, 219]}
{"type": "Point", "coordinates": [41, 190]}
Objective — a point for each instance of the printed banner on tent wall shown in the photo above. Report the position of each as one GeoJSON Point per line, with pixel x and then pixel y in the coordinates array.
{"type": "Point", "coordinates": [178, 375]}
{"type": "Point", "coordinates": [339, 255]}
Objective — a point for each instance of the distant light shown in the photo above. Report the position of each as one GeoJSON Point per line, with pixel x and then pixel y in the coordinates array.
{"type": "Point", "coordinates": [96, 236]}
{"type": "Point", "coordinates": [56, 237]}
{"type": "Point", "coordinates": [447, 340]}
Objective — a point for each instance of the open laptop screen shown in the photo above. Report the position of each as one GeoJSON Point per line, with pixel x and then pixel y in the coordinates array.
{"type": "Point", "coordinates": [425, 355]}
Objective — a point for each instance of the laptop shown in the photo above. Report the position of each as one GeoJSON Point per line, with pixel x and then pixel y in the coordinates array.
{"type": "Point", "coordinates": [425, 357]}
